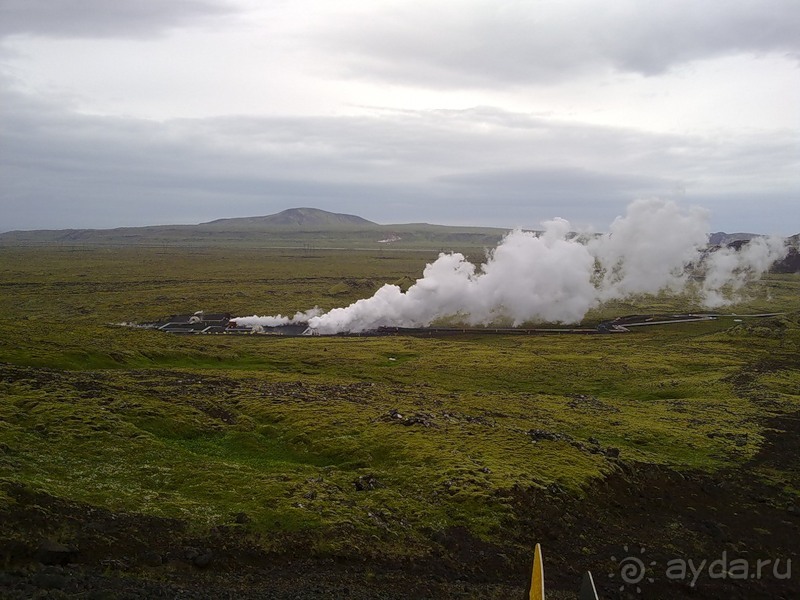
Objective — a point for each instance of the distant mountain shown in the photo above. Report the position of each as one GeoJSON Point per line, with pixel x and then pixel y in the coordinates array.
{"type": "Point", "coordinates": [720, 238]}
{"type": "Point", "coordinates": [307, 228]}
{"type": "Point", "coordinates": [304, 218]}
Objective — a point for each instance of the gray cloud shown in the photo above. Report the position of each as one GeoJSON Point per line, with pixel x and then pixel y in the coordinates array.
{"type": "Point", "coordinates": [102, 18]}
{"type": "Point", "coordinates": [482, 166]}
{"type": "Point", "coordinates": [479, 43]}
{"type": "Point", "coordinates": [555, 180]}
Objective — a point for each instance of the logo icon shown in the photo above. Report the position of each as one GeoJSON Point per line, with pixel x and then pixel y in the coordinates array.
{"type": "Point", "coordinates": [632, 569]}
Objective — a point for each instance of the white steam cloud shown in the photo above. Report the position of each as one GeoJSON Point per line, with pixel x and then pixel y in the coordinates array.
{"type": "Point", "coordinates": [278, 320]}
{"type": "Point", "coordinates": [557, 278]}
{"type": "Point", "coordinates": [729, 270]}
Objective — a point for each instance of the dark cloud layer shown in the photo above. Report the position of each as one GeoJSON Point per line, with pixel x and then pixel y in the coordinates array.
{"type": "Point", "coordinates": [102, 18]}
{"type": "Point", "coordinates": [477, 44]}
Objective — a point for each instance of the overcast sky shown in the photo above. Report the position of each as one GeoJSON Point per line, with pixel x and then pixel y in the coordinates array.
{"type": "Point", "coordinates": [497, 112]}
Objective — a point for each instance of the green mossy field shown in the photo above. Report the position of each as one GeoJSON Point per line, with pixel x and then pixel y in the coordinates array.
{"type": "Point", "coordinates": [368, 446]}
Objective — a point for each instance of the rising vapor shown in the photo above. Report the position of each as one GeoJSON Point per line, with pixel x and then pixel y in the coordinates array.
{"type": "Point", "coordinates": [556, 277]}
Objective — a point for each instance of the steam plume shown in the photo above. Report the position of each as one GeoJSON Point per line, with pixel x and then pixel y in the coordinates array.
{"type": "Point", "coordinates": [557, 278]}
{"type": "Point", "coordinates": [278, 320]}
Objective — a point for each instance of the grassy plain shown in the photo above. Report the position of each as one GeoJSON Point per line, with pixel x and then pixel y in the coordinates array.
{"type": "Point", "coordinates": [438, 433]}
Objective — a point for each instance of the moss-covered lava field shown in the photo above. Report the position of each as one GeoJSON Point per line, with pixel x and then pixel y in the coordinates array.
{"type": "Point", "coordinates": [141, 464]}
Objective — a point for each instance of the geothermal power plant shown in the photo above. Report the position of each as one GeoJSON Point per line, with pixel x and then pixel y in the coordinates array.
{"type": "Point", "coordinates": [201, 323]}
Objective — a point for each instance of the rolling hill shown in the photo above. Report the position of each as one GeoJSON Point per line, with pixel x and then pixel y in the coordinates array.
{"type": "Point", "coordinates": [301, 218]}
{"type": "Point", "coordinates": [308, 228]}
{"type": "Point", "coordinates": [295, 227]}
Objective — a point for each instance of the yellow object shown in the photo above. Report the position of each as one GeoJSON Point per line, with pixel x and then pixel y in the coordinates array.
{"type": "Point", "coordinates": [537, 580]}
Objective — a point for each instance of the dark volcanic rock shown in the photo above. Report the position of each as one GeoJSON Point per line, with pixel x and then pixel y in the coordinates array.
{"type": "Point", "coordinates": [51, 552]}
{"type": "Point", "coordinates": [203, 559]}
{"type": "Point", "coordinates": [540, 434]}
{"type": "Point", "coordinates": [367, 482]}
{"type": "Point", "coordinates": [199, 557]}
{"type": "Point", "coordinates": [49, 580]}
{"type": "Point", "coordinates": [152, 559]}
{"type": "Point", "coordinates": [424, 419]}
